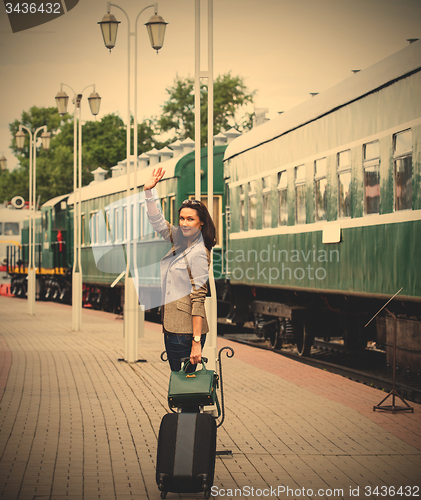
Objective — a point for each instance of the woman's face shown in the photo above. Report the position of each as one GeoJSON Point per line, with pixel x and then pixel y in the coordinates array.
{"type": "Point", "coordinates": [190, 223]}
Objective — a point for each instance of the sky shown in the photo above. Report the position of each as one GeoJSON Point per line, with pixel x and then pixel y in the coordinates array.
{"type": "Point", "coordinates": [283, 49]}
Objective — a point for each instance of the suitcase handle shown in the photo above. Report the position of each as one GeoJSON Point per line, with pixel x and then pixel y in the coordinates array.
{"type": "Point", "coordinates": [184, 360]}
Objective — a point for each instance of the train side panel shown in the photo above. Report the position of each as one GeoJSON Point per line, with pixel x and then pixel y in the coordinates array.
{"type": "Point", "coordinates": [326, 213]}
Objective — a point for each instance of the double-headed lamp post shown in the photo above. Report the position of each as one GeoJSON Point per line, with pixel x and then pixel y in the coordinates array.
{"type": "Point", "coordinates": [3, 163]}
{"type": "Point", "coordinates": [20, 142]}
{"type": "Point", "coordinates": [156, 29]}
{"type": "Point", "coordinates": [62, 100]}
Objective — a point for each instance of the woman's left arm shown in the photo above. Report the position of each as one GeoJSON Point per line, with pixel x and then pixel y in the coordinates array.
{"type": "Point", "coordinates": [200, 274]}
{"type": "Point", "coordinates": [196, 348]}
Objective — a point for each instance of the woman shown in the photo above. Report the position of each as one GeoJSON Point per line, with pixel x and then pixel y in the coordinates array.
{"type": "Point", "coordinates": [184, 274]}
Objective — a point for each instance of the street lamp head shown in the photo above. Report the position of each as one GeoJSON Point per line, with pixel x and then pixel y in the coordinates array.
{"type": "Point", "coordinates": [156, 29]}
{"type": "Point", "coordinates": [46, 138]}
{"type": "Point", "coordinates": [3, 163]}
{"type": "Point", "coordinates": [62, 99]}
{"type": "Point", "coordinates": [20, 139]}
{"type": "Point", "coordinates": [94, 102]}
{"type": "Point", "coordinates": [109, 25]}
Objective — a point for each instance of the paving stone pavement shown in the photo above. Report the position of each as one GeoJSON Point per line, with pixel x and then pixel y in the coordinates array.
{"type": "Point", "coordinates": [77, 424]}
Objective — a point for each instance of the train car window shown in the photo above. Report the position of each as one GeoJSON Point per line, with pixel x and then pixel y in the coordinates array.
{"type": "Point", "coordinates": [227, 209]}
{"type": "Point", "coordinates": [402, 153]}
{"type": "Point", "coordinates": [300, 195]}
{"type": "Point", "coordinates": [217, 219]}
{"type": "Point", "coordinates": [116, 226]}
{"type": "Point", "coordinates": [344, 183]}
{"type": "Point", "coordinates": [60, 216]}
{"type": "Point", "coordinates": [1, 228]}
{"type": "Point", "coordinates": [252, 204]}
{"type": "Point", "coordinates": [266, 205]}
{"type": "Point", "coordinates": [107, 227]}
{"type": "Point", "coordinates": [132, 222]}
{"type": "Point", "coordinates": [94, 228]}
{"type": "Point", "coordinates": [44, 221]}
{"type": "Point", "coordinates": [371, 165]}
{"type": "Point", "coordinates": [11, 228]}
{"type": "Point", "coordinates": [320, 189]}
{"type": "Point", "coordinates": [242, 208]}
{"type": "Point", "coordinates": [125, 222]}
{"type": "Point", "coordinates": [282, 198]}
{"type": "Point", "coordinates": [164, 207]}
{"type": "Point", "coordinates": [135, 221]}
{"type": "Point", "coordinates": [141, 219]}
{"type": "Point", "coordinates": [82, 229]}
{"type": "Point", "coordinates": [173, 211]}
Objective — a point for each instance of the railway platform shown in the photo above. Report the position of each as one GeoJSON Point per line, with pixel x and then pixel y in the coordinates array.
{"type": "Point", "coordinates": [77, 424]}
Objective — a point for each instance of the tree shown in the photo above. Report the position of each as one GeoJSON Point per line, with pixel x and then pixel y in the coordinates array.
{"type": "Point", "coordinates": [104, 142]}
{"type": "Point", "coordinates": [230, 99]}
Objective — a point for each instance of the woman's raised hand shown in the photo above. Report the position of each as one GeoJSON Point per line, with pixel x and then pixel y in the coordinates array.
{"type": "Point", "coordinates": [153, 180]}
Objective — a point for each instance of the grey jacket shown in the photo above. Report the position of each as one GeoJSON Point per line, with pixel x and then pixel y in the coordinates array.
{"type": "Point", "coordinates": [184, 274]}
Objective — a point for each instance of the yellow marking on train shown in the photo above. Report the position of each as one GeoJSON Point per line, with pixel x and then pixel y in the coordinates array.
{"type": "Point", "coordinates": [24, 270]}
{"type": "Point", "coordinates": [11, 242]}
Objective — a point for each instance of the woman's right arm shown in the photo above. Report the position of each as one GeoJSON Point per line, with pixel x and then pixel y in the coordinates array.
{"type": "Point", "coordinates": [153, 180]}
{"type": "Point", "coordinates": [157, 220]}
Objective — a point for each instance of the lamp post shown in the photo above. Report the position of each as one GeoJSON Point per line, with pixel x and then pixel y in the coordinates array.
{"type": "Point", "coordinates": [20, 142]}
{"type": "Point", "coordinates": [156, 30]}
{"type": "Point", "coordinates": [3, 163]}
{"type": "Point", "coordinates": [62, 100]}
{"type": "Point", "coordinates": [210, 350]}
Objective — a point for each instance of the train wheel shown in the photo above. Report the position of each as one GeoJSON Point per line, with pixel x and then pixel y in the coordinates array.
{"type": "Point", "coordinates": [354, 339]}
{"type": "Point", "coordinates": [304, 338]}
{"type": "Point", "coordinates": [275, 335]}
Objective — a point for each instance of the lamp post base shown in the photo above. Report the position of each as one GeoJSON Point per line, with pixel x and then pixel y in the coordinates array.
{"type": "Point", "coordinates": [31, 291]}
{"type": "Point", "coordinates": [133, 316]}
{"type": "Point", "coordinates": [76, 301]}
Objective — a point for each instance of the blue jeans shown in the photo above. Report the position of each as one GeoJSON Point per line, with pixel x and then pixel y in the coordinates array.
{"type": "Point", "coordinates": [178, 346]}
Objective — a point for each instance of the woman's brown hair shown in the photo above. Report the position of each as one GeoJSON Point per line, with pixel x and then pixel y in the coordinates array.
{"type": "Point", "coordinates": [208, 228]}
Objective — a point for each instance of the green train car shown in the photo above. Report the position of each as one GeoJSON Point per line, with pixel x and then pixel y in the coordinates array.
{"type": "Point", "coordinates": [52, 252]}
{"type": "Point", "coordinates": [324, 207]}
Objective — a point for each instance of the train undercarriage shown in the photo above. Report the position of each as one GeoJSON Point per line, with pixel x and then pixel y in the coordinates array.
{"type": "Point", "coordinates": [58, 288]}
{"type": "Point", "coordinates": [294, 317]}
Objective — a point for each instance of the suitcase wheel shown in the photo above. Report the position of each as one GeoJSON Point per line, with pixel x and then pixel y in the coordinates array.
{"type": "Point", "coordinates": [161, 489]}
{"type": "Point", "coordinates": [205, 485]}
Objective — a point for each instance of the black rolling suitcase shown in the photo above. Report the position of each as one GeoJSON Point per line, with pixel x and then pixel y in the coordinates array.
{"type": "Point", "coordinates": [186, 453]}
